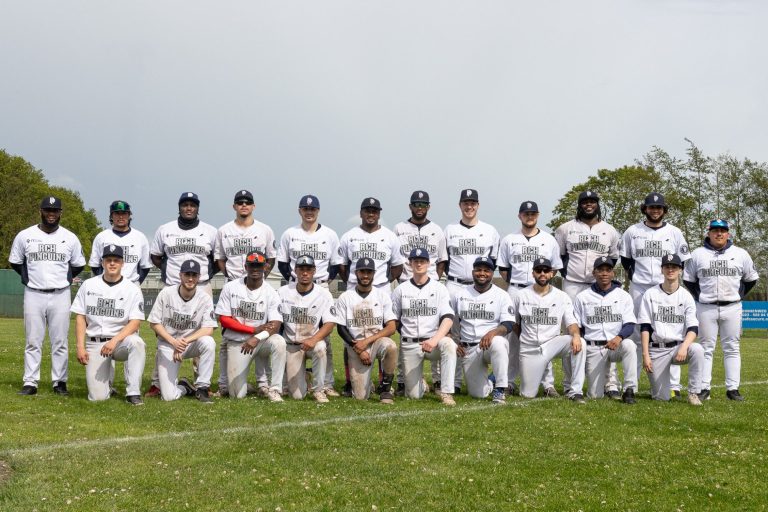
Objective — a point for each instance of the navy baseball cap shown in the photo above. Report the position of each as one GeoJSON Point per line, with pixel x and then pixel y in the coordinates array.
{"type": "Point", "coordinates": [671, 259]}
{"type": "Point", "coordinates": [119, 206]}
{"type": "Point", "coordinates": [588, 194]}
{"type": "Point", "coordinates": [542, 263]}
{"type": "Point", "coordinates": [309, 201]}
{"type": "Point", "coordinates": [719, 223]}
{"type": "Point", "coordinates": [305, 260]}
{"type": "Point", "coordinates": [243, 195]}
{"type": "Point", "coordinates": [654, 199]}
{"type": "Point", "coordinates": [603, 261]}
{"type": "Point", "coordinates": [255, 259]}
{"type": "Point", "coordinates": [418, 253]}
{"type": "Point", "coordinates": [189, 196]}
{"type": "Point", "coordinates": [190, 266]}
{"type": "Point", "coordinates": [112, 250]}
{"type": "Point", "coordinates": [529, 206]}
{"type": "Point", "coordinates": [370, 202]}
{"type": "Point", "coordinates": [419, 197]}
{"type": "Point", "coordinates": [484, 261]}
{"type": "Point", "coordinates": [469, 194]}
{"type": "Point", "coordinates": [365, 264]}
{"type": "Point", "coordinates": [51, 203]}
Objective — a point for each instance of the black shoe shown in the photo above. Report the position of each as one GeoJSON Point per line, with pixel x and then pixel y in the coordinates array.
{"type": "Point", "coordinates": [578, 398]}
{"type": "Point", "coordinates": [134, 400]}
{"type": "Point", "coordinates": [436, 387]}
{"type": "Point", "coordinates": [61, 389]}
{"type": "Point", "coordinates": [347, 390]}
{"type": "Point", "coordinates": [456, 390]}
{"type": "Point", "coordinates": [386, 397]}
{"type": "Point", "coordinates": [27, 391]}
{"type": "Point", "coordinates": [189, 389]}
{"type": "Point", "coordinates": [614, 395]}
{"type": "Point", "coordinates": [629, 396]}
{"type": "Point", "coordinates": [733, 394]}
{"type": "Point", "coordinates": [400, 391]}
{"type": "Point", "coordinates": [704, 394]}
{"type": "Point", "coordinates": [202, 395]}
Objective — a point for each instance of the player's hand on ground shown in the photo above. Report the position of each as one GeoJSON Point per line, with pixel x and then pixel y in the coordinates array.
{"type": "Point", "coordinates": [576, 344]}
{"type": "Point", "coordinates": [82, 356]}
{"type": "Point", "coordinates": [249, 345]}
{"type": "Point", "coordinates": [681, 355]}
{"type": "Point", "coordinates": [108, 348]}
{"type": "Point", "coordinates": [429, 345]}
{"type": "Point", "coordinates": [360, 346]}
{"type": "Point", "coordinates": [647, 364]}
{"type": "Point", "coordinates": [614, 343]}
{"type": "Point", "coordinates": [365, 358]}
{"type": "Point", "coordinates": [485, 341]}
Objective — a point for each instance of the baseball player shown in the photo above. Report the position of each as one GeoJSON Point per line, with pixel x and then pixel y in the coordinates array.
{"type": "Point", "coordinates": [719, 275]}
{"type": "Point", "coordinates": [307, 321]}
{"type": "Point", "coordinates": [248, 312]}
{"type": "Point", "coordinates": [365, 321]}
{"type": "Point", "coordinates": [643, 245]}
{"type": "Point", "coordinates": [540, 311]}
{"type": "Point", "coordinates": [46, 256]}
{"type": "Point", "coordinates": [485, 318]}
{"type": "Point", "coordinates": [136, 262]}
{"type": "Point", "coordinates": [108, 312]}
{"type": "Point", "coordinates": [517, 252]}
{"type": "Point", "coordinates": [183, 319]}
{"type": "Point", "coordinates": [668, 329]}
{"type": "Point", "coordinates": [423, 310]}
{"type": "Point", "coordinates": [606, 315]}
{"type": "Point", "coordinates": [322, 243]}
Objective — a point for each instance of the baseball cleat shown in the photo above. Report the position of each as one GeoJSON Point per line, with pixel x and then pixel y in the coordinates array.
{"type": "Point", "coordinates": [320, 397]}
{"type": "Point", "coordinates": [436, 386]}
{"type": "Point", "coordinates": [202, 395]}
{"type": "Point", "coordinates": [498, 397]}
{"type": "Point", "coordinates": [221, 393]}
{"type": "Point", "coordinates": [347, 390]}
{"type": "Point", "coordinates": [614, 394]}
{"type": "Point", "coordinates": [152, 392]}
{"type": "Point", "coordinates": [733, 394]}
{"type": "Point", "coordinates": [134, 400]}
{"type": "Point", "coordinates": [274, 396]}
{"type": "Point", "coordinates": [61, 389]}
{"type": "Point", "coordinates": [457, 390]}
{"type": "Point", "coordinates": [329, 391]}
{"type": "Point", "coordinates": [551, 392]}
{"type": "Point", "coordinates": [446, 399]}
{"type": "Point", "coordinates": [189, 389]}
{"type": "Point", "coordinates": [674, 394]}
{"type": "Point", "coordinates": [704, 394]}
{"type": "Point", "coordinates": [577, 398]}
{"type": "Point", "coordinates": [263, 391]}
{"type": "Point", "coordinates": [693, 399]}
{"type": "Point", "coordinates": [386, 397]}
{"type": "Point", "coordinates": [400, 391]}
{"type": "Point", "coordinates": [27, 391]}
{"type": "Point", "coordinates": [629, 396]}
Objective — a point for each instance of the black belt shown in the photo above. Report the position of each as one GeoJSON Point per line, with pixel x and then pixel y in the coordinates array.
{"type": "Point", "coordinates": [100, 340]}
{"type": "Point", "coordinates": [721, 303]}
{"type": "Point", "coordinates": [48, 290]}
{"type": "Point", "coordinates": [668, 344]}
{"type": "Point", "coordinates": [460, 281]}
{"type": "Point", "coordinates": [600, 343]}
{"type": "Point", "coordinates": [468, 345]}
{"type": "Point", "coordinates": [519, 285]}
{"type": "Point", "coordinates": [413, 340]}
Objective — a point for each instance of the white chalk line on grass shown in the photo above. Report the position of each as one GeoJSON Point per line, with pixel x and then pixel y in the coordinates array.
{"type": "Point", "coordinates": [33, 450]}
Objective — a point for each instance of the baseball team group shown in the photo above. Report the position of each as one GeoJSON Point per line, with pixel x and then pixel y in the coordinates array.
{"type": "Point", "coordinates": [679, 302]}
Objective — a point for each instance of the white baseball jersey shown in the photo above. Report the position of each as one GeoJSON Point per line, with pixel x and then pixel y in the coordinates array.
{"type": "Point", "coordinates": [478, 313]}
{"type": "Point", "coordinates": [135, 251]}
{"type": "Point", "coordinates": [322, 245]}
{"type": "Point", "coordinates": [107, 309]}
{"type": "Point", "coordinates": [720, 273]}
{"type": "Point", "coordinates": [46, 257]}
{"type": "Point", "coordinates": [179, 245]}
{"type": "Point", "coordinates": [363, 316]}
{"type": "Point", "coordinates": [233, 242]}
{"type": "Point", "coordinates": [584, 244]}
{"type": "Point", "coordinates": [427, 236]}
{"type": "Point", "coordinates": [542, 317]}
{"type": "Point", "coordinates": [182, 317]}
{"type": "Point", "coordinates": [466, 243]}
{"type": "Point", "coordinates": [517, 252]}
{"type": "Point", "coordinates": [249, 307]}
{"type": "Point", "coordinates": [303, 313]}
{"type": "Point", "coordinates": [420, 308]}
{"type": "Point", "coordinates": [670, 314]}
{"type": "Point", "coordinates": [648, 245]}
{"type": "Point", "coordinates": [382, 246]}
{"type": "Point", "coordinates": [601, 315]}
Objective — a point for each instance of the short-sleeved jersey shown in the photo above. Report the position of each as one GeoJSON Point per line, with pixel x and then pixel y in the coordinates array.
{"type": "Point", "coordinates": [322, 244]}
{"type": "Point", "coordinates": [647, 246]}
{"type": "Point", "coordinates": [382, 246]}
{"type": "Point", "coordinates": [542, 317]}
{"type": "Point", "coordinates": [135, 251]}
{"type": "Point", "coordinates": [720, 273]}
{"type": "Point", "coordinates": [584, 244]}
{"type": "Point", "coordinates": [601, 316]}
{"type": "Point", "coordinates": [363, 316]}
{"type": "Point", "coordinates": [233, 242]}
{"type": "Point", "coordinates": [249, 307]}
{"type": "Point", "coordinates": [420, 308]}
{"type": "Point", "coordinates": [427, 236]}
{"type": "Point", "coordinates": [466, 243]}
{"type": "Point", "coordinates": [303, 314]}
{"type": "Point", "coordinates": [478, 313]}
{"type": "Point", "coordinates": [669, 314]}
{"type": "Point", "coordinates": [182, 317]}
{"type": "Point", "coordinates": [46, 257]}
{"type": "Point", "coordinates": [178, 245]}
{"type": "Point", "coordinates": [518, 252]}
{"type": "Point", "coordinates": [107, 309]}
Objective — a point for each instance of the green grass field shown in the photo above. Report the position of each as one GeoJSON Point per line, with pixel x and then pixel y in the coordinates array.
{"type": "Point", "coordinates": [545, 454]}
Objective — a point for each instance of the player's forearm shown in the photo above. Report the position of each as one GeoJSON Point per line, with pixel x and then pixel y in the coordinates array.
{"type": "Point", "coordinates": [574, 331]}
{"type": "Point", "coordinates": [322, 333]}
{"type": "Point", "coordinates": [386, 332]}
{"type": "Point", "coordinates": [440, 268]}
{"type": "Point", "coordinates": [228, 322]}
{"type": "Point", "coordinates": [445, 327]}
{"type": "Point", "coordinates": [130, 328]}
{"type": "Point", "coordinates": [344, 273]}
{"type": "Point", "coordinates": [395, 272]}
{"type": "Point", "coordinates": [690, 337]}
{"type": "Point", "coordinates": [222, 265]}
{"type": "Point", "coordinates": [162, 333]}
{"type": "Point", "coordinates": [645, 339]}
{"type": "Point", "coordinates": [80, 326]}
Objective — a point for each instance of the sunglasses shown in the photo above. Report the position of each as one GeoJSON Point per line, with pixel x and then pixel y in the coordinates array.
{"type": "Point", "coordinates": [420, 205]}
{"type": "Point", "coordinates": [541, 270]}
{"type": "Point", "coordinates": [243, 203]}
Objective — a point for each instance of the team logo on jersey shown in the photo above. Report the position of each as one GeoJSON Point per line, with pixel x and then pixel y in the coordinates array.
{"type": "Point", "coordinates": [333, 310]}
{"type": "Point", "coordinates": [684, 249]}
{"type": "Point", "coordinates": [668, 315]}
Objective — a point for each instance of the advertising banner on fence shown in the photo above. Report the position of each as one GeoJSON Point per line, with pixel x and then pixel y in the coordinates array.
{"type": "Point", "coordinates": [755, 315]}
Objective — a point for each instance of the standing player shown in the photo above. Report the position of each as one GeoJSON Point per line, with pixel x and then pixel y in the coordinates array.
{"type": "Point", "coordinates": [719, 275]}
{"type": "Point", "coordinates": [322, 243]}
{"type": "Point", "coordinates": [607, 318]}
{"type": "Point", "coordinates": [46, 256]}
{"type": "Point", "coordinates": [668, 329]}
{"type": "Point", "coordinates": [365, 322]}
{"type": "Point", "coordinates": [540, 311]}
{"type": "Point", "coordinates": [136, 262]}
{"type": "Point", "coordinates": [184, 321]}
{"type": "Point", "coordinates": [423, 310]}
{"type": "Point", "coordinates": [307, 321]}
{"type": "Point", "coordinates": [485, 318]}
{"type": "Point", "coordinates": [108, 312]}
{"type": "Point", "coordinates": [517, 252]}
{"type": "Point", "coordinates": [250, 322]}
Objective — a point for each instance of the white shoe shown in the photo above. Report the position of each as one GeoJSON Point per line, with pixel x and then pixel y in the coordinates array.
{"type": "Point", "coordinates": [329, 391]}
{"type": "Point", "coordinates": [274, 395]}
{"type": "Point", "coordinates": [694, 399]}
{"type": "Point", "coordinates": [320, 397]}
{"type": "Point", "coordinates": [447, 399]}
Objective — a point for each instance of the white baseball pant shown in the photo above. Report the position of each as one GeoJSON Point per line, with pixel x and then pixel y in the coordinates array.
{"type": "Point", "coordinates": [598, 359]}
{"type": "Point", "coordinates": [295, 369]}
{"type": "Point", "coordinates": [168, 369]}
{"type": "Point", "coordinates": [41, 309]}
{"type": "Point", "coordinates": [238, 363]}
{"type": "Point", "coordinates": [383, 349]}
{"type": "Point", "coordinates": [534, 359]}
{"type": "Point", "coordinates": [727, 321]}
{"type": "Point", "coordinates": [131, 351]}
{"type": "Point", "coordinates": [413, 366]}
{"type": "Point", "coordinates": [664, 358]}
{"type": "Point", "coordinates": [475, 366]}
{"type": "Point", "coordinates": [458, 375]}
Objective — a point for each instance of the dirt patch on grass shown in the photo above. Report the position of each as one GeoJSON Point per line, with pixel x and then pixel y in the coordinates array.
{"type": "Point", "coordinates": [5, 472]}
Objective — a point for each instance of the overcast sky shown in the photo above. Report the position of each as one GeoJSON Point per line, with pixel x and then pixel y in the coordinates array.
{"type": "Point", "coordinates": [143, 100]}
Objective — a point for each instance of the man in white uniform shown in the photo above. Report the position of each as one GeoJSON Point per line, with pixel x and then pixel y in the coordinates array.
{"type": "Point", "coordinates": [136, 262]}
